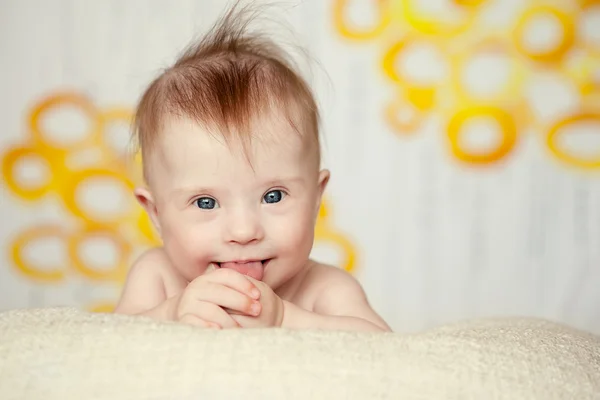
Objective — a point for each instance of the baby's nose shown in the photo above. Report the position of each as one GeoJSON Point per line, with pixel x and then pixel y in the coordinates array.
{"type": "Point", "coordinates": [244, 227]}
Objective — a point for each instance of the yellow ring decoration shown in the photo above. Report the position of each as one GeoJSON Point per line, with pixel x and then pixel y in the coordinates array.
{"type": "Point", "coordinates": [53, 275]}
{"type": "Point", "coordinates": [442, 30]}
{"type": "Point", "coordinates": [423, 97]}
{"type": "Point", "coordinates": [61, 99]}
{"type": "Point", "coordinates": [115, 274]}
{"type": "Point", "coordinates": [8, 164]}
{"type": "Point", "coordinates": [594, 47]}
{"type": "Point", "coordinates": [339, 8]}
{"type": "Point", "coordinates": [556, 54]}
{"type": "Point", "coordinates": [402, 127]}
{"type": "Point", "coordinates": [69, 192]}
{"type": "Point", "coordinates": [563, 156]}
{"type": "Point", "coordinates": [110, 116]}
{"type": "Point", "coordinates": [144, 225]}
{"type": "Point", "coordinates": [503, 118]}
{"type": "Point", "coordinates": [469, 3]}
{"type": "Point", "coordinates": [324, 234]}
{"type": "Point", "coordinates": [512, 90]}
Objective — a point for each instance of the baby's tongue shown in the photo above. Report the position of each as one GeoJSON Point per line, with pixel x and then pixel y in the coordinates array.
{"type": "Point", "coordinates": [253, 269]}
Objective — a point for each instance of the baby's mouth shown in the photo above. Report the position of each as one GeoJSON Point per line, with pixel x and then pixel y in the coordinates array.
{"type": "Point", "coordinates": [254, 269]}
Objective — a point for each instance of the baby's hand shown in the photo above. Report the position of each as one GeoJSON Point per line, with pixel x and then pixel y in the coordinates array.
{"type": "Point", "coordinates": [203, 301]}
{"type": "Point", "coordinates": [271, 314]}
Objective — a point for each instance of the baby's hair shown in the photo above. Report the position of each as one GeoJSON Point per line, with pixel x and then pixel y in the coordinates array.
{"type": "Point", "coordinates": [224, 81]}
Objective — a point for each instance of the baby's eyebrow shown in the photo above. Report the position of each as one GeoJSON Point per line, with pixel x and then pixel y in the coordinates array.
{"type": "Point", "coordinates": [284, 181]}
{"type": "Point", "coordinates": [187, 190]}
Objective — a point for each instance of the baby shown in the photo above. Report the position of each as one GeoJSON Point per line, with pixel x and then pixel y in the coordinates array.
{"type": "Point", "coordinates": [231, 157]}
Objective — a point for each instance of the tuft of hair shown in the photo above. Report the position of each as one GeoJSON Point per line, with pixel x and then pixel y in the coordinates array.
{"type": "Point", "coordinates": [223, 82]}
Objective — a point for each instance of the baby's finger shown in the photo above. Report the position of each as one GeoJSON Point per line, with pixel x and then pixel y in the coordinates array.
{"type": "Point", "coordinates": [233, 280]}
{"type": "Point", "coordinates": [211, 268]}
{"type": "Point", "coordinates": [227, 297]}
{"type": "Point", "coordinates": [194, 320]}
{"type": "Point", "coordinates": [213, 313]}
{"type": "Point", "coordinates": [247, 322]}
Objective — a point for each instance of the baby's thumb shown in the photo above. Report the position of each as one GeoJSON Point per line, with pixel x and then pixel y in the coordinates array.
{"type": "Point", "coordinates": [211, 267]}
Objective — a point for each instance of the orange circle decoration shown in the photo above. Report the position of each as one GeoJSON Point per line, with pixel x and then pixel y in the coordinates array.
{"type": "Point", "coordinates": [55, 102]}
{"type": "Point", "coordinates": [556, 54]}
{"type": "Point", "coordinates": [563, 156]}
{"type": "Point", "coordinates": [53, 275]}
{"type": "Point", "coordinates": [349, 32]}
{"type": "Point", "coordinates": [119, 270]}
{"type": "Point", "coordinates": [506, 123]}
{"type": "Point", "coordinates": [9, 161]}
{"type": "Point", "coordinates": [69, 193]}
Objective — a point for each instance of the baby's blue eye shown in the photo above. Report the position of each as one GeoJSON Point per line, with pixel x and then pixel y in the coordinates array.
{"type": "Point", "coordinates": [206, 203]}
{"type": "Point", "coordinates": [274, 196]}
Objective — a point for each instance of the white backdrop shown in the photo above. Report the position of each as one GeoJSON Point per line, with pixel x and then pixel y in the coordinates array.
{"type": "Point", "coordinates": [458, 189]}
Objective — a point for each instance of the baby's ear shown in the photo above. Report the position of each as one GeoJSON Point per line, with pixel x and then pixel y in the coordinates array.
{"type": "Point", "coordinates": [323, 180]}
{"type": "Point", "coordinates": [146, 200]}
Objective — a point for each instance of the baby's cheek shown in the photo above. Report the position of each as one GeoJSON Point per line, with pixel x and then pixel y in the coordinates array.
{"type": "Point", "coordinates": [295, 236]}
{"type": "Point", "coordinates": [200, 241]}
{"type": "Point", "coordinates": [192, 248]}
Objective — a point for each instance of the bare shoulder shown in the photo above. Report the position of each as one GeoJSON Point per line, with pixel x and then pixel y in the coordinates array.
{"type": "Point", "coordinates": [144, 286]}
{"type": "Point", "coordinates": [155, 256]}
{"type": "Point", "coordinates": [151, 263]}
{"type": "Point", "coordinates": [320, 271]}
{"type": "Point", "coordinates": [324, 278]}
{"type": "Point", "coordinates": [337, 292]}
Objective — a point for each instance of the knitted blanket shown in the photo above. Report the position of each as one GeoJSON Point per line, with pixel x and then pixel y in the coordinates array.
{"type": "Point", "coordinates": [63, 353]}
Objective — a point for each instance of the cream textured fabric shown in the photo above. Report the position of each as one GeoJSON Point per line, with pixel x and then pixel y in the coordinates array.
{"type": "Point", "coordinates": [62, 353]}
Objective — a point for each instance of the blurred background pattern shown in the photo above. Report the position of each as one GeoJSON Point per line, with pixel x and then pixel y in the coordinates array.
{"type": "Point", "coordinates": [463, 138]}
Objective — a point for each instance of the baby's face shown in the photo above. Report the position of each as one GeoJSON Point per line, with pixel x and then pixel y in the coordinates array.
{"type": "Point", "coordinates": [212, 205]}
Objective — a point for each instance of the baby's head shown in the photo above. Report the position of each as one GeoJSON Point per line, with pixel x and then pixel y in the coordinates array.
{"type": "Point", "coordinates": [231, 157]}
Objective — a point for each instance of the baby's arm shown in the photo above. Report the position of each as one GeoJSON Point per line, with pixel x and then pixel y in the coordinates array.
{"type": "Point", "coordinates": [340, 304]}
{"type": "Point", "coordinates": [144, 290]}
